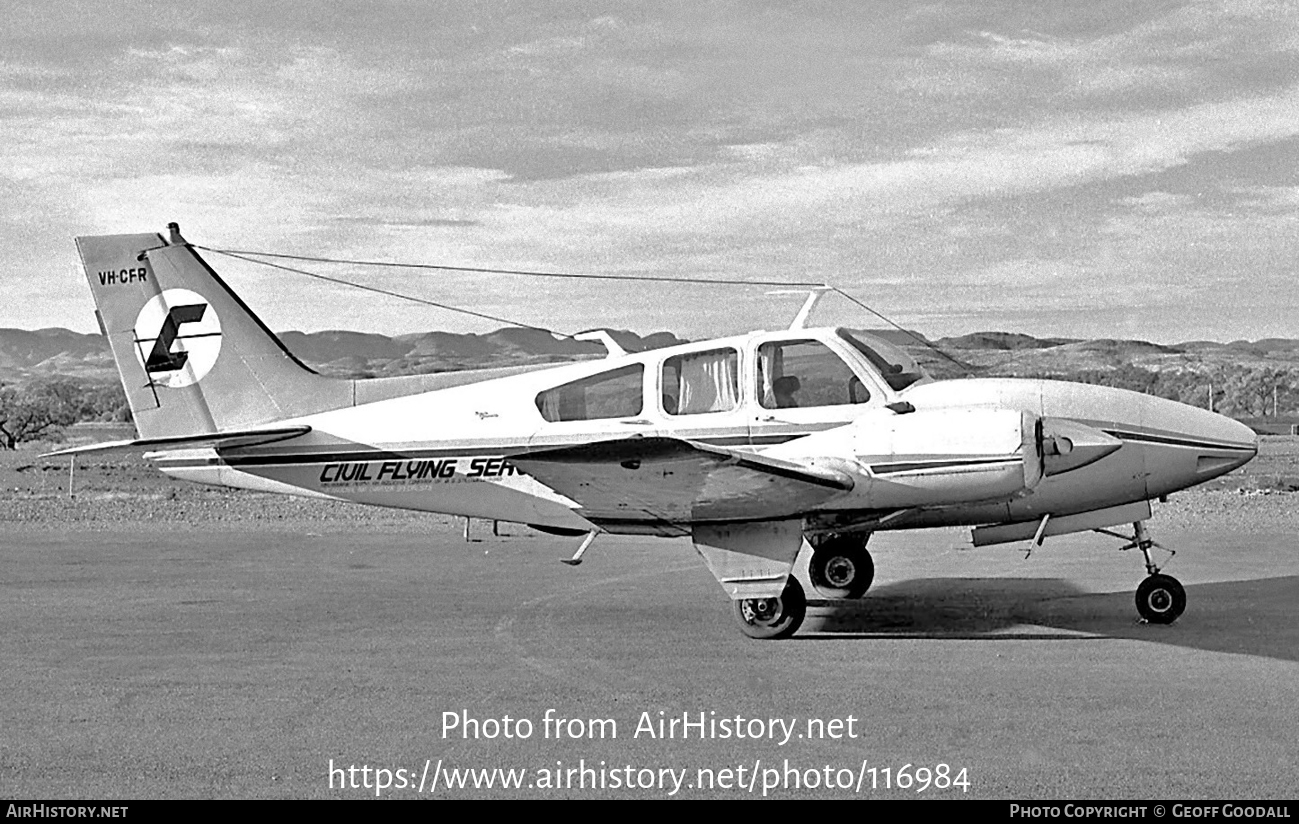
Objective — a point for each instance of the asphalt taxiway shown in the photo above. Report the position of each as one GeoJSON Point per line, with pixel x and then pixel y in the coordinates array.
{"type": "Point", "coordinates": [250, 662]}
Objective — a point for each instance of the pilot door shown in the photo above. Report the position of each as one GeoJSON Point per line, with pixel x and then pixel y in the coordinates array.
{"type": "Point", "coordinates": [801, 386]}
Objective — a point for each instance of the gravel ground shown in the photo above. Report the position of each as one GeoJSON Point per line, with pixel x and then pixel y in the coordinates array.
{"type": "Point", "coordinates": [117, 492]}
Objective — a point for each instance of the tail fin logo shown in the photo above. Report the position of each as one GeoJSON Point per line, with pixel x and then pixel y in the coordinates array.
{"type": "Point", "coordinates": [177, 338]}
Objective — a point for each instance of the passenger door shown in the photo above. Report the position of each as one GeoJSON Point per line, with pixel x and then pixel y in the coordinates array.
{"type": "Point", "coordinates": [701, 396]}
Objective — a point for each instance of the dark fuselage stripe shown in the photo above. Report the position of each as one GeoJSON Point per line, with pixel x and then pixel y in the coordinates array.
{"type": "Point", "coordinates": [360, 455]}
{"type": "Point", "coordinates": [1145, 437]}
{"type": "Point", "coordinates": [917, 466]}
{"type": "Point", "coordinates": [366, 455]}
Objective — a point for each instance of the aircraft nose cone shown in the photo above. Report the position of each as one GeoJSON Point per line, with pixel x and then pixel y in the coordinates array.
{"type": "Point", "coordinates": [1201, 427]}
{"type": "Point", "coordinates": [1190, 446]}
{"type": "Point", "coordinates": [1245, 439]}
{"type": "Point", "coordinates": [1227, 434]}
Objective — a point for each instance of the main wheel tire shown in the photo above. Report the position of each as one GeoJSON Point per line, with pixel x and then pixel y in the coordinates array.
{"type": "Point", "coordinates": [1161, 599]}
{"type": "Point", "coordinates": [768, 618]}
{"type": "Point", "coordinates": [842, 569]}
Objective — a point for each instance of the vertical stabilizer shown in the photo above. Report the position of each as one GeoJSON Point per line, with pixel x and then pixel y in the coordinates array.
{"type": "Point", "coordinates": [192, 357]}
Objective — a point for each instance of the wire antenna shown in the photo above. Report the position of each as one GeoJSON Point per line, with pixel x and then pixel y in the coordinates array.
{"type": "Point", "coordinates": [255, 257]}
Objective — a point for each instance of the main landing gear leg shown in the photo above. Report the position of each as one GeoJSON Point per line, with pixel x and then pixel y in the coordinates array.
{"type": "Point", "coordinates": [1160, 598]}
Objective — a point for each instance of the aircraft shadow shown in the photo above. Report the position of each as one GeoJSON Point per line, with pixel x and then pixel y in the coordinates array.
{"type": "Point", "coordinates": [1252, 617]}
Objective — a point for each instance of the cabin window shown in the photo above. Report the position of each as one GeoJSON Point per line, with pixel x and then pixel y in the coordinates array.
{"type": "Point", "coordinates": [701, 382]}
{"type": "Point", "coordinates": [803, 373]}
{"type": "Point", "coordinates": [615, 394]}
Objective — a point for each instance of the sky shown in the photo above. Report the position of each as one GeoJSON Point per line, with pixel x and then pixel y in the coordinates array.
{"type": "Point", "coordinates": [1083, 169]}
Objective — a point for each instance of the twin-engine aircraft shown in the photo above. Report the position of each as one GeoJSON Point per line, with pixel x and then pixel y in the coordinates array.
{"type": "Point", "coordinates": [756, 447]}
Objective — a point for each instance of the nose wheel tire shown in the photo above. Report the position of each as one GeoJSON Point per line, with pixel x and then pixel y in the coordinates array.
{"type": "Point", "coordinates": [841, 570]}
{"type": "Point", "coordinates": [769, 618]}
{"type": "Point", "coordinates": [1161, 599]}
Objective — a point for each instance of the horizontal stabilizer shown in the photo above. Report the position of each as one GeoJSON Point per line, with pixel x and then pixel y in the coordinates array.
{"type": "Point", "coordinates": [219, 440]}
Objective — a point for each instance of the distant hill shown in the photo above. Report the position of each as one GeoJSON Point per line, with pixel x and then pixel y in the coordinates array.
{"type": "Point", "coordinates": [1246, 377]}
{"type": "Point", "coordinates": [48, 352]}
{"type": "Point", "coordinates": [1005, 353]}
{"type": "Point", "coordinates": [53, 351]}
{"type": "Point", "coordinates": [1001, 341]}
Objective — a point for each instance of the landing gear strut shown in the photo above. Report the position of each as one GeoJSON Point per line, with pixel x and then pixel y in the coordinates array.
{"type": "Point", "coordinates": [769, 618]}
{"type": "Point", "coordinates": [1160, 598]}
{"type": "Point", "coordinates": [841, 567]}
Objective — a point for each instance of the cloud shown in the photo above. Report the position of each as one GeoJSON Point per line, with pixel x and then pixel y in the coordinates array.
{"type": "Point", "coordinates": [1063, 152]}
{"type": "Point", "coordinates": [919, 153]}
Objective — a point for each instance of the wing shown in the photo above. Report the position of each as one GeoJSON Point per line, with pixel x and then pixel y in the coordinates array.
{"type": "Point", "coordinates": [675, 481]}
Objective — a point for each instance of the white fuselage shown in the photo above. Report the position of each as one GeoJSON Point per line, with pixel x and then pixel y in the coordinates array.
{"type": "Point", "coordinates": [448, 451]}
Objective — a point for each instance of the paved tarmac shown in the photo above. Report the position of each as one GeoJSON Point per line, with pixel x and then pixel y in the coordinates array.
{"type": "Point", "coordinates": [242, 662]}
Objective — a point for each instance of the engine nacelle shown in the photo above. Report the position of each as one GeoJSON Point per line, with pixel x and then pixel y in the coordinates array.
{"type": "Point", "coordinates": [928, 458]}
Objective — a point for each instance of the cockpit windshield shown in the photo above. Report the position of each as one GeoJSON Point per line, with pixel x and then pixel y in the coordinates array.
{"type": "Point", "coordinates": [897, 368]}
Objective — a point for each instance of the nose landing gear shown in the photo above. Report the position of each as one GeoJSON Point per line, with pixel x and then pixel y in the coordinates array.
{"type": "Point", "coordinates": [1160, 598]}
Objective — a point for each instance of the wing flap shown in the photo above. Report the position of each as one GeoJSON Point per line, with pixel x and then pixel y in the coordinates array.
{"type": "Point", "coordinates": [678, 481]}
